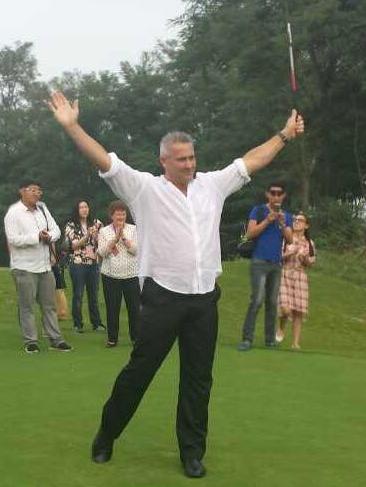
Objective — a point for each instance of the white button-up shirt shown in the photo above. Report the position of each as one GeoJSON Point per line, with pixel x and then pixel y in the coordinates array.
{"type": "Point", "coordinates": [178, 235]}
{"type": "Point", "coordinates": [22, 227]}
{"type": "Point", "coordinates": [123, 264]}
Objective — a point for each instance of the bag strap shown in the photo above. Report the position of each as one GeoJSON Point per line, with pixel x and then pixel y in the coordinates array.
{"type": "Point", "coordinates": [259, 218]}
{"type": "Point", "coordinates": [51, 245]}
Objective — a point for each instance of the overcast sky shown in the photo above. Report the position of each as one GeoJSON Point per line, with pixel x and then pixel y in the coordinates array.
{"type": "Point", "coordinates": [88, 35]}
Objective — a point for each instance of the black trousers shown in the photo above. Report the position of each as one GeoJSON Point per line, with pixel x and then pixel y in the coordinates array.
{"type": "Point", "coordinates": [113, 290]}
{"type": "Point", "coordinates": [164, 316]}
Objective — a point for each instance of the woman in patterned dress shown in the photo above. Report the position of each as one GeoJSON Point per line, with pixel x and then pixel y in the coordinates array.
{"type": "Point", "coordinates": [82, 233]}
{"type": "Point", "coordinates": [294, 290]}
{"type": "Point", "coordinates": [117, 245]}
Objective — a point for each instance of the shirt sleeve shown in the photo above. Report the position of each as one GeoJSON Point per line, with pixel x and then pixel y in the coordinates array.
{"type": "Point", "coordinates": [231, 178]}
{"type": "Point", "coordinates": [133, 249]}
{"type": "Point", "coordinates": [253, 213]}
{"type": "Point", "coordinates": [125, 182]}
{"type": "Point", "coordinates": [14, 234]}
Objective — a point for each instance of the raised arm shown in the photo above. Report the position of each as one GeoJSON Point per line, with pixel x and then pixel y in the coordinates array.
{"type": "Point", "coordinates": [261, 156]}
{"type": "Point", "coordinates": [67, 115]}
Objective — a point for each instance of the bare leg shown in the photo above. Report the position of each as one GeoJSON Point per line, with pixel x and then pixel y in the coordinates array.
{"type": "Point", "coordinates": [296, 329]}
{"type": "Point", "coordinates": [280, 333]}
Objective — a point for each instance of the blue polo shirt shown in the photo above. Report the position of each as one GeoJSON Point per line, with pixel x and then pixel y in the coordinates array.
{"type": "Point", "coordinates": [269, 243]}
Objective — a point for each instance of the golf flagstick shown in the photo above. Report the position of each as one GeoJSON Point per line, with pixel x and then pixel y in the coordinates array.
{"type": "Point", "coordinates": [293, 81]}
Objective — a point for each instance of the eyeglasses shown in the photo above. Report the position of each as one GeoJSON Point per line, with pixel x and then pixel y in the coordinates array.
{"type": "Point", "coordinates": [34, 190]}
{"type": "Point", "coordinates": [276, 192]}
{"type": "Point", "coordinates": [299, 219]}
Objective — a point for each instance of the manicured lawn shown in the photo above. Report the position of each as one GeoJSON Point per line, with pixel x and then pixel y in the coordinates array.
{"type": "Point", "coordinates": [277, 418]}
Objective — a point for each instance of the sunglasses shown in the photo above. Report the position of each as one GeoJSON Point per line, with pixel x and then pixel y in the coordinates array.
{"type": "Point", "coordinates": [276, 192]}
{"type": "Point", "coordinates": [299, 219]}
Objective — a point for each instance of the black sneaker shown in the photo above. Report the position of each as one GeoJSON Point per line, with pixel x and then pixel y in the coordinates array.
{"type": "Point", "coordinates": [78, 329]}
{"type": "Point", "coordinates": [31, 348]}
{"type": "Point", "coordinates": [61, 347]}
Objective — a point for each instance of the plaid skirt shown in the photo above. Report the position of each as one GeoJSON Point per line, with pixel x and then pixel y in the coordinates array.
{"type": "Point", "coordinates": [294, 290]}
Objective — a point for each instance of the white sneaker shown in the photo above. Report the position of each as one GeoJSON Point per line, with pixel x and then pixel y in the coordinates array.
{"type": "Point", "coordinates": [279, 338]}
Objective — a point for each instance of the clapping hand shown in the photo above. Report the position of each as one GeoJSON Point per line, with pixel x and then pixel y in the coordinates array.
{"type": "Point", "coordinates": [92, 231]}
{"type": "Point", "coordinates": [119, 233]}
{"type": "Point", "coordinates": [127, 243]}
{"type": "Point", "coordinates": [302, 255]}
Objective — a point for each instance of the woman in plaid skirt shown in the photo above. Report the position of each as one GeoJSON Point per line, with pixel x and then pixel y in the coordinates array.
{"type": "Point", "coordinates": [294, 292]}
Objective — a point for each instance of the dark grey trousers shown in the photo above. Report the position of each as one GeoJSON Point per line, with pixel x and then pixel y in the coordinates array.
{"type": "Point", "coordinates": [265, 278]}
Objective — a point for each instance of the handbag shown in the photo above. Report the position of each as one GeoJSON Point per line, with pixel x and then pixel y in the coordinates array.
{"type": "Point", "coordinates": [246, 245]}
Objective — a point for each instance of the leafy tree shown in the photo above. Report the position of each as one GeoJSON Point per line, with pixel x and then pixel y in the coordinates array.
{"type": "Point", "coordinates": [225, 80]}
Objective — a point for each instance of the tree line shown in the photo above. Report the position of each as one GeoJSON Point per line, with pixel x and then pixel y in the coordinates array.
{"type": "Point", "coordinates": [225, 80]}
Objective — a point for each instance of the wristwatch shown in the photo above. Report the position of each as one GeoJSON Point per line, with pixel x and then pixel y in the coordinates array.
{"type": "Point", "coordinates": [283, 137]}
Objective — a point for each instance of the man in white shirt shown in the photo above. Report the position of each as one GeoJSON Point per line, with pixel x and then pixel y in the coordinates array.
{"type": "Point", "coordinates": [177, 217]}
{"type": "Point", "coordinates": [30, 229]}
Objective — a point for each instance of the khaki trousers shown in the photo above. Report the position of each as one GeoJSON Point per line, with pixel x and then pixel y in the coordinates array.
{"type": "Point", "coordinates": [35, 287]}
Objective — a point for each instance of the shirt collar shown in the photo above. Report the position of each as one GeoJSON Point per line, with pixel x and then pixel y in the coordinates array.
{"type": "Point", "coordinates": [25, 208]}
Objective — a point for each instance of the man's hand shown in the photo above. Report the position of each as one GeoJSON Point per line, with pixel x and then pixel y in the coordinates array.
{"type": "Point", "coordinates": [44, 236]}
{"type": "Point", "coordinates": [261, 156]}
{"type": "Point", "coordinates": [272, 216]}
{"type": "Point", "coordinates": [294, 126]}
{"type": "Point", "coordinates": [65, 113]}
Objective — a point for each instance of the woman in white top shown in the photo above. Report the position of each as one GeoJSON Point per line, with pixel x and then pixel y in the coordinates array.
{"type": "Point", "coordinates": [117, 245]}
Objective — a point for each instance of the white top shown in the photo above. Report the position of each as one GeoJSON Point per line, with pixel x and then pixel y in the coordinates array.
{"type": "Point", "coordinates": [121, 263]}
{"type": "Point", "coordinates": [178, 235]}
{"type": "Point", "coordinates": [22, 227]}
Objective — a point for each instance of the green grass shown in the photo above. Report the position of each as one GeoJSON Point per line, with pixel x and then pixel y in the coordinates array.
{"type": "Point", "coordinates": [349, 265]}
{"type": "Point", "coordinates": [277, 418]}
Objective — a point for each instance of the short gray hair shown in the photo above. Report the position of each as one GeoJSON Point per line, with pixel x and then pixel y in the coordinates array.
{"type": "Point", "coordinates": [174, 138]}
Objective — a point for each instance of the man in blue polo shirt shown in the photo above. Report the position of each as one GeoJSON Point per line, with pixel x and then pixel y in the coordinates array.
{"type": "Point", "coordinates": [269, 225]}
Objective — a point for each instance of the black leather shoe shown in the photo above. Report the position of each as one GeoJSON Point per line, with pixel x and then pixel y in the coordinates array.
{"type": "Point", "coordinates": [102, 448]}
{"type": "Point", "coordinates": [193, 468]}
